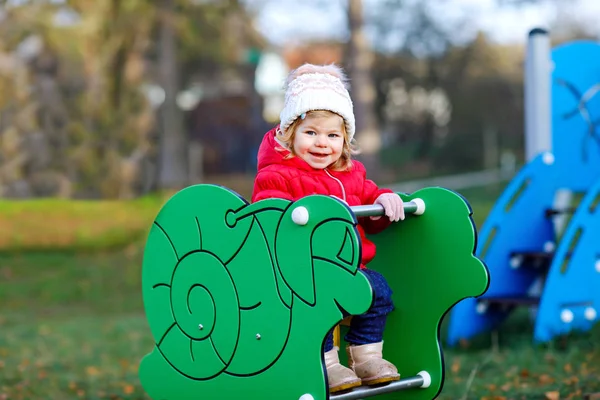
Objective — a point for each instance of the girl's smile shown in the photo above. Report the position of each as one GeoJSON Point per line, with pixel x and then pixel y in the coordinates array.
{"type": "Point", "coordinates": [319, 140]}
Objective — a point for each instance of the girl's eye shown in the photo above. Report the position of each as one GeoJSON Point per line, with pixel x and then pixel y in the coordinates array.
{"type": "Point", "coordinates": [333, 135]}
{"type": "Point", "coordinates": [310, 133]}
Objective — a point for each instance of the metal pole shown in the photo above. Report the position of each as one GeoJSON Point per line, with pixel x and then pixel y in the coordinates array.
{"type": "Point", "coordinates": [363, 392]}
{"type": "Point", "coordinates": [373, 210]}
{"type": "Point", "coordinates": [538, 72]}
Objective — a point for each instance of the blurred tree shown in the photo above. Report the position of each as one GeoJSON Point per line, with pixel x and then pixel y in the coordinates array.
{"type": "Point", "coordinates": [360, 58]}
{"type": "Point", "coordinates": [91, 121]}
{"type": "Point", "coordinates": [77, 80]}
{"type": "Point", "coordinates": [173, 167]}
{"type": "Point", "coordinates": [454, 112]}
{"type": "Point", "coordinates": [360, 62]}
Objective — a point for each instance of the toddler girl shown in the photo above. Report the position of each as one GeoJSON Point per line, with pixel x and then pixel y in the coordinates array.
{"type": "Point", "coordinates": [310, 152]}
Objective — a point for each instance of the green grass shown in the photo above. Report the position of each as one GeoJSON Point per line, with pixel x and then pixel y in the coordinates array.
{"type": "Point", "coordinates": [72, 327]}
{"type": "Point", "coordinates": [75, 226]}
{"type": "Point", "coordinates": [70, 225]}
{"type": "Point", "coordinates": [505, 364]}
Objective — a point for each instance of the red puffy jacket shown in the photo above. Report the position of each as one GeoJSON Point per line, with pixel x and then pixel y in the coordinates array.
{"type": "Point", "coordinates": [293, 178]}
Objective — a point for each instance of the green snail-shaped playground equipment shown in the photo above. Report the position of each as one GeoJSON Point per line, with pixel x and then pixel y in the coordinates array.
{"type": "Point", "coordinates": [239, 297]}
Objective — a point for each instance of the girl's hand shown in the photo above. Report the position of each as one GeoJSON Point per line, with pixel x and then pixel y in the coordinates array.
{"type": "Point", "coordinates": [392, 205]}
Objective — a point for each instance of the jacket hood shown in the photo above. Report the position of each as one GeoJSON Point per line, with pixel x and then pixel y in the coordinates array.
{"type": "Point", "coordinates": [271, 152]}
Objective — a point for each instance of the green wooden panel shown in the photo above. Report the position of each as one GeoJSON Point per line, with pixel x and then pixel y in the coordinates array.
{"type": "Point", "coordinates": [429, 263]}
{"type": "Point", "coordinates": [239, 297]}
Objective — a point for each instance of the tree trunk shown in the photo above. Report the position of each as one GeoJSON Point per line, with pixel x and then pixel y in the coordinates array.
{"type": "Point", "coordinates": [173, 172]}
{"type": "Point", "coordinates": [360, 60]}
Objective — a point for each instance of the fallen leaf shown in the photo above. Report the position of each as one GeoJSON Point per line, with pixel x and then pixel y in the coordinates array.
{"type": "Point", "coordinates": [128, 389]}
{"type": "Point", "coordinates": [571, 380]}
{"type": "Point", "coordinates": [568, 369]}
{"type": "Point", "coordinates": [555, 395]}
{"type": "Point", "coordinates": [545, 379]}
{"type": "Point", "coordinates": [524, 373]}
{"type": "Point", "coordinates": [455, 368]}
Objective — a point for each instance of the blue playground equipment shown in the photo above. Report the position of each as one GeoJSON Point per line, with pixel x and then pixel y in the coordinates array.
{"type": "Point", "coordinates": [536, 236]}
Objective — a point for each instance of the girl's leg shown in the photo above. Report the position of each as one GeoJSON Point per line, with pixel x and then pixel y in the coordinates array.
{"type": "Point", "coordinates": [368, 327]}
{"type": "Point", "coordinates": [365, 337]}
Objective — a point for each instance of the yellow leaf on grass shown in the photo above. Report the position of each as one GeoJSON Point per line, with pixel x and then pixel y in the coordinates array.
{"type": "Point", "coordinates": [546, 379]}
{"type": "Point", "coordinates": [571, 380]}
{"type": "Point", "coordinates": [555, 395]}
{"type": "Point", "coordinates": [568, 369]}
{"type": "Point", "coordinates": [455, 366]}
{"type": "Point", "coordinates": [128, 389]}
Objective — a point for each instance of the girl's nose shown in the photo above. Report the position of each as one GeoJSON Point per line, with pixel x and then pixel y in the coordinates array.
{"type": "Point", "coordinates": [321, 140]}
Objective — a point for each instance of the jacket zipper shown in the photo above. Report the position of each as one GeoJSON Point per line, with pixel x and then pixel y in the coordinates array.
{"type": "Point", "coordinates": [340, 182]}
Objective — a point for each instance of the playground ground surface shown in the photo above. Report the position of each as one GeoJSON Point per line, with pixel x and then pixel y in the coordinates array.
{"type": "Point", "coordinates": [72, 327]}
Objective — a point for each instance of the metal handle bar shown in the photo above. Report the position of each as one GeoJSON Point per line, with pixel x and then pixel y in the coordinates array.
{"type": "Point", "coordinates": [415, 206]}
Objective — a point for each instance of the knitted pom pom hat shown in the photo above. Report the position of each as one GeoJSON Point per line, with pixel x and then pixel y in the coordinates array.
{"type": "Point", "coordinates": [317, 87]}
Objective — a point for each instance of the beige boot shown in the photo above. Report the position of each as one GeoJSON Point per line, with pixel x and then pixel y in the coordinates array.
{"type": "Point", "coordinates": [339, 377]}
{"type": "Point", "coordinates": [367, 362]}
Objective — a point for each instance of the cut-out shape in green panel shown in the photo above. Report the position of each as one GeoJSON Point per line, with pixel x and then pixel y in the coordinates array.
{"type": "Point", "coordinates": [239, 297]}
{"type": "Point", "coordinates": [429, 262]}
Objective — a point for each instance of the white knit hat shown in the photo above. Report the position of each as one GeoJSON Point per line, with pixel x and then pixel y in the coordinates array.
{"type": "Point", "coordinates": [317, 91]}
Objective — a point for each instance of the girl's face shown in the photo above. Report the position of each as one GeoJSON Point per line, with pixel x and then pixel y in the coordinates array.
{"type": "Point", "coordinates": [319, 140]}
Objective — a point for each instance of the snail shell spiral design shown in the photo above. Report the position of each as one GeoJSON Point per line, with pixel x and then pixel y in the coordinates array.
{"type": "Point", "coordinates": [190, 297]}
{"type": "Point", "coordinates": [221, 280]}
{"type": "Point", "coordinates": [206, 311]}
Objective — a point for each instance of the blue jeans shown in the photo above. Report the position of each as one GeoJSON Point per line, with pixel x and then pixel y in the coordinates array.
{"type": "Point", "coordinates": [368, 327]}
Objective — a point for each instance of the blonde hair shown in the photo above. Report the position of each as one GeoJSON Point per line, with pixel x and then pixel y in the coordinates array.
{"type": "Point", "coordinates": [348, 150]}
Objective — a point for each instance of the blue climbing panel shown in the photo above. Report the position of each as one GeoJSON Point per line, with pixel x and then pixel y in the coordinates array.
{"type": "Point", "coordinates": [518, 223]}
{"type": "Point", "coordinates": [576, 114]}
{"type": "Point", "coordinates": [572, 293]}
